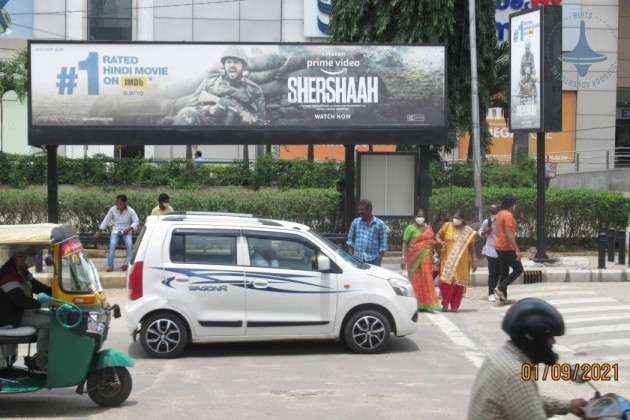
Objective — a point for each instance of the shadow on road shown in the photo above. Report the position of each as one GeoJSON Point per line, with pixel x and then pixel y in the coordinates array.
{"type": "Point", "coordinates": [286, 348]}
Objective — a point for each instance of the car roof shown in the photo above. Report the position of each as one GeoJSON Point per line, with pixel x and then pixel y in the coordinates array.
{"type": "Point", "coordinates": [227, 219]}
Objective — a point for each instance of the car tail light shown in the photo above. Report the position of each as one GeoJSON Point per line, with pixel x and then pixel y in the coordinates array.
{"type": "Point", "coordinates": [135, 281]}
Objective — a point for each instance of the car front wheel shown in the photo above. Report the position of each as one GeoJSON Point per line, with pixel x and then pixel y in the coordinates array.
{"type": "Point", "coordinates": [367, 332]}
{"type": "Point", "coordinates": [163, 335]}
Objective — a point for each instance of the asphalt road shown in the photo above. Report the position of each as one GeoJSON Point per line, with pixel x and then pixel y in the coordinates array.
{"type": "Point", "coordinates": [427, 375]}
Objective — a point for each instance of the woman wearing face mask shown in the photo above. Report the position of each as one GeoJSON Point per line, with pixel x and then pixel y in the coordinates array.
{"type": "Point", "coordinates": [418, 241]}
{"type": "Point", "coordinates": [457, 258]}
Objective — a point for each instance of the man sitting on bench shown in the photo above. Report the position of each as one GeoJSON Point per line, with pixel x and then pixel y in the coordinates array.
{"type": "Point", "coordinates": [17, 306]}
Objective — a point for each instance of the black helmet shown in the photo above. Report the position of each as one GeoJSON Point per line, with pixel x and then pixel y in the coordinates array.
{"type": "Point", "coordinates": [530, 323]}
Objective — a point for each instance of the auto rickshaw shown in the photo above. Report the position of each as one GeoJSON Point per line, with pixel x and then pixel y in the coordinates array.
{"type": "Point", "coordinates": [79, 324]}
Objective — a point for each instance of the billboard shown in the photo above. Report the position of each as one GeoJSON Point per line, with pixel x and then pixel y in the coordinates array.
{"type": "Point", "coordinates": [205, 89]}
{"type": "Point", "coordinates": [536, 70]}
{"type": "Point", "coordinates": [525, 65]}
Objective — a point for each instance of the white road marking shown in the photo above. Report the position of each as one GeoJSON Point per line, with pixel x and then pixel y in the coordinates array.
{"type": "Point", "coordinates": [458, 338]}
{"type": "Point", "coordinates": [598, 344]}
{"type": "Point", "coordinates": [597, 329]}
{"type": "Point", "coordinates": [543, 286]}
{"type": "Point", "coordinates": [579, 319]}
{"type": "Point", "coordinates": [606, 308]}
{"type": "Point", "coordinates": [578, 300]}
{"type": "Point", "coordinates": [539, 293]}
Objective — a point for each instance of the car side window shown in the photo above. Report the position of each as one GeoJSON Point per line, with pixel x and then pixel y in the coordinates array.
{"type": "Point", "coordinates": [203, 248]}
{"type": "Point", "coordinates": [281, 253]}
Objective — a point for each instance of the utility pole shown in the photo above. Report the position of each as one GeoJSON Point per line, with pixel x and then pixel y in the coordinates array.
{"type": "Point", "coordinates": [476, 143]}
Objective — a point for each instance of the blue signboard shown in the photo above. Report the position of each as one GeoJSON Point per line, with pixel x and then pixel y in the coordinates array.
{"type": "Point", "coordinates": [16, 19]}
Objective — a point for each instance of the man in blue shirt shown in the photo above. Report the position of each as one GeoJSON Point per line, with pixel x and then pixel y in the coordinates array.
{"type": "Point", "coordinates": [367, 238]}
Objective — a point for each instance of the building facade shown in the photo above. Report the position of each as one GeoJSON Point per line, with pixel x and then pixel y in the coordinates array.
{"type": "Point", "coordinates": [597, 104]}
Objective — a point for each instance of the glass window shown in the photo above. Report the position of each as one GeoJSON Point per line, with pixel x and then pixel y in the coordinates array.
{"type": "Point", "coordinates": [78, 273]}
{"type": "Point", "coordinates": [286, 253]}
{"type": "Point", "coordinates": [343, 254]}
{"type": "Point", "coordinates": [207, 249]}
{"type": "Point", "coordinates": [109, 20]}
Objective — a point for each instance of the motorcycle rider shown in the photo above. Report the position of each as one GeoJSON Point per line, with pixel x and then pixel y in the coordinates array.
{"type": "Point", "coordinates": [499, 391]}
{"type": "Point", "coordinates": [229, 83]}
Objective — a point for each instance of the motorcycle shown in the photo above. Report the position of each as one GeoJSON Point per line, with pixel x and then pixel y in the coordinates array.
{"type": "Point", "coordinates": [604, 407]}
{"type": "Point", "coordinates": [80, 317]}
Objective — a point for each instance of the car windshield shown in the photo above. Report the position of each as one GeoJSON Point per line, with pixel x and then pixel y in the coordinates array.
{"type": "Point", "coordinates": [343, 254]}
{"type": "Point", "coordinates": [77, 271]}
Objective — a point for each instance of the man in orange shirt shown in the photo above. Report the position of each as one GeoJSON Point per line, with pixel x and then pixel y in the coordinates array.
{"type": "Point", "coordinates": [505, 245]}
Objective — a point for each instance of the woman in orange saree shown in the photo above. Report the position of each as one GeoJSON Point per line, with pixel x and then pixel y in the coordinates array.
{"type": "Point", "coordinates": [418, 241]}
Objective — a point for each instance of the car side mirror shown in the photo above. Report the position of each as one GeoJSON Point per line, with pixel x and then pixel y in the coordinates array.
{"type": "Point", "coordinates": [323, 263]}
{"type": "Point", "coordinates": [49, 260]}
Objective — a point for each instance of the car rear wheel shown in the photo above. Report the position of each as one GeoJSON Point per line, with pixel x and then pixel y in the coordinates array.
{"type": "Point", "coordinates": [163, 335]}
{"type": "Point", "coordinates": [367, 332]}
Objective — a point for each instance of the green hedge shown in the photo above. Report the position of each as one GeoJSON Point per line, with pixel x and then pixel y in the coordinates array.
{"type": "Point", "coordinates": [85, 208]}
{"type": "Point", "coordinates": [20, 171]}
{"type": "Point", "coordinates": [574, 217]}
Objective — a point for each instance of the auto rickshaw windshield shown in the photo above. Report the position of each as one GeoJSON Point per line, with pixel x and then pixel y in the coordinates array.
{"type": "Point", "coordinates": [78, 273]}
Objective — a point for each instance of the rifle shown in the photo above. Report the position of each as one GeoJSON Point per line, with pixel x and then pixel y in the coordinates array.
{"type": "Point", "coordinates": [231, 107]}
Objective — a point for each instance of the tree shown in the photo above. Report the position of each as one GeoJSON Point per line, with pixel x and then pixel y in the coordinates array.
{"type": "Point", "coordinates": [13, 76]}
{"type": "Point", "coordinates": [431, 21]}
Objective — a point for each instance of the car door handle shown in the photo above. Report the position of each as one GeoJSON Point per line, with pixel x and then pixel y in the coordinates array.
{"type": "Point", "coordinates": [181, 279]}
{"type": "Point", "coordinates": [260, 283]}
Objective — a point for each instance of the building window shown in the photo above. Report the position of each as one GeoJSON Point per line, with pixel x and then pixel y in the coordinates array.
{"type": "Point", "coordinates": [109, 20]}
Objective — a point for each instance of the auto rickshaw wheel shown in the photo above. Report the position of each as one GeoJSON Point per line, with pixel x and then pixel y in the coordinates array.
{"type": "Point", "coordinates": [110, 386]}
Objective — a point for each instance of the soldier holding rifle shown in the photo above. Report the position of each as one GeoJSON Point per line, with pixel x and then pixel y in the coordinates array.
{"type": "Point", "coordinates": [226, 97]}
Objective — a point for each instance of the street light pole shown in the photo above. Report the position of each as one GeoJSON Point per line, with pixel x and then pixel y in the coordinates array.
{"type": "Point", "coordinates": [476, 143]}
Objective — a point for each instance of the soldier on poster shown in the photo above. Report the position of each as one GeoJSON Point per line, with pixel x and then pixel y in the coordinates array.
{"type": "Point", "coordinates": [527, 82]}
{"type": "Point", "coordinates": [226, 97]}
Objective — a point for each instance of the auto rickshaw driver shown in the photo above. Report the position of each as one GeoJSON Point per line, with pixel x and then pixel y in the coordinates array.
{"type": "Point", "coordinates": [18, 308]}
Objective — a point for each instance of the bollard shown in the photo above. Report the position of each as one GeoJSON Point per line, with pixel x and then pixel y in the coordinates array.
{"type": "Point", "coordinates": [611, 245]}
{"type": "Point", "coordinates": [601, 250]}
{"type": "Point", "coordinates": [621, 235]}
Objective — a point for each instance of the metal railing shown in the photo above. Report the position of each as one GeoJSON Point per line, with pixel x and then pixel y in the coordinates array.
{"type": "Point", "coordinates": [591, 160]}
{"type": "Point", "coordinates": [570, 161]}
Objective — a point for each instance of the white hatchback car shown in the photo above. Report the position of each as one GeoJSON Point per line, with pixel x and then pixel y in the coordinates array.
{"type": "Point", "coordinates": [211, 277]}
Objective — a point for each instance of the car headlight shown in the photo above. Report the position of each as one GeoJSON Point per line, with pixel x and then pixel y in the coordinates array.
{"type": "Point", "coordinates": [402, 287]}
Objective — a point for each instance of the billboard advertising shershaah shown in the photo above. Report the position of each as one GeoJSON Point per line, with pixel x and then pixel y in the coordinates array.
{"type": "Point", "coordinates": [236, 86]}
{"type": "Point", "coordinates": [525, 71]}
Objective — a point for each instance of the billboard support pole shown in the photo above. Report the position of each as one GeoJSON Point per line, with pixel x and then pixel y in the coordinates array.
{"type": "Point", "coordinates": [541, 254]}
{"type": "Point", "coordinates": [425, 180]}
{"type": "Point", "coordinates": [475, 135]}
{"type": "Point", "coordinates": [53, 185]}
{"type": "Point", "coordinates": [349, 191]}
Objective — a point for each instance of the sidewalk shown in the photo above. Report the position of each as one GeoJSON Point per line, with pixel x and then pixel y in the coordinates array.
{"type": "Point", "coordinates": [570, 267]}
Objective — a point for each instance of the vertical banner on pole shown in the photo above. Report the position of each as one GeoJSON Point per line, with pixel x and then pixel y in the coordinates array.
{"type": "Point", "coordinates": [536, 89]}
